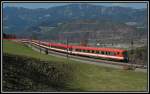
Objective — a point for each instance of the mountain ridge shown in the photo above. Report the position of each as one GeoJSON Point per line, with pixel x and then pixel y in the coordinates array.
{"type": "Point", "coordinates": [47, 23]}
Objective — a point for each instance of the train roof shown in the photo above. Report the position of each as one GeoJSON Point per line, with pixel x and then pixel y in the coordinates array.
{"type": "Point", "coordinates": [87, 48]}
{"type": "Point", "coordinates": [99, 49]}
{"type": "Point", "coordinates": [60, 45]}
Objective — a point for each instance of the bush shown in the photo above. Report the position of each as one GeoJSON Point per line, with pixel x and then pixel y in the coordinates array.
{"type": "Point", "coordinates": [28, 74]}
{"type": "Point", "coordinates": [139, 55]}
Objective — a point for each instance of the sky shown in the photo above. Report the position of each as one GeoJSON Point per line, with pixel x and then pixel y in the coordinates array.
{"type": "Point", "coordinates": [49, 5]}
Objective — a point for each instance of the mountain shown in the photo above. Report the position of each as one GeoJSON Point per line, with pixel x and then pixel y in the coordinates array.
{"type": "Point", "coordinates": [110, 22]}
{"type": "Point", "coordinates": [92, 30]}
{"type": "Point", "coordinates": [18, 19]}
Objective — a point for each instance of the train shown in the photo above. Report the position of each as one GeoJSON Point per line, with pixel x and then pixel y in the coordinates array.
{"type": "Point", "coordinates": [92, 52]}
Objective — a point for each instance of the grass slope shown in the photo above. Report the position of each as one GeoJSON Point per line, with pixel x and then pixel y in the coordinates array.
{"type": "Point", "coordinates": [87, 77]}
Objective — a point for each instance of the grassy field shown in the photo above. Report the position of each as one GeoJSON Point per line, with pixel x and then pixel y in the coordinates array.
{"type": "Point", "coordinates": [87, 77]}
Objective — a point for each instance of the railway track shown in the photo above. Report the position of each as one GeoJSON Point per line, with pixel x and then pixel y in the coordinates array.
{"type": "Point", "coordinates": [88, 60]}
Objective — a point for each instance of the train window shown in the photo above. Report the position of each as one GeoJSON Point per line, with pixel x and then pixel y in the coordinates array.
{"type": "Point", "coordinates": [70, 49]}
{"type": "Point", "coordinates": [79, 50]}
{"type": "Point", "coordinates": [88, 51]}
{"type": "Point", "coordinates": [97, 52]}
{"type": "Point", "coordinates": [93, 51]}
{"type": "Point", "coordinates": [111, 53]}
{"type": "Point", "coordinates": [118, 53]}
{"type": "Point", "coordinates": [114, 53]}
{"type": "Point", "coordinates": [102, 52]}
{"type": "Point", "coordinates": [108, 53]}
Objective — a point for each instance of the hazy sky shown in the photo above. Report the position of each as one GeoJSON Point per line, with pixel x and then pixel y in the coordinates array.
{"type": "Point", "coordinates": [48, 5]}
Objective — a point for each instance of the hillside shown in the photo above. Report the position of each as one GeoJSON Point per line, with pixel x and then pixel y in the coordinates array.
{"type": "Point", "coordinates": [17, 20]}
{"type": "Point", "coordinates": [108, 26]}
{"type": "Point", "coordinates": [106, 33]}
{"type": "Point", "coordinates": [27, 70]}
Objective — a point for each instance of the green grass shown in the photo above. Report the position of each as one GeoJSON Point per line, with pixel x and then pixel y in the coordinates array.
{"type": "Point", "coordinates": [87, 77]}
{"type": "Point", "coordinates": [21, 49]}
